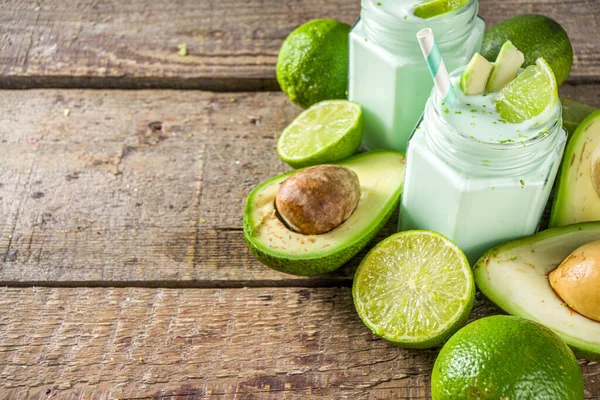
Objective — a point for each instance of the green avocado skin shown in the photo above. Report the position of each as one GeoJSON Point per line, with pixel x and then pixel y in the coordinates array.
{"type": "Point", "coordinates": [316, 266]}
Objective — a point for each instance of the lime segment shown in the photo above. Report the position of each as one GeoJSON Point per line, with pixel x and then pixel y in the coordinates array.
{"type": "Point", "coordinates": [438, 7]}
{"type": "Point", "coordinates": [529, 94]}
{"type": "Point", "coordinates": [328, 131]}
{"type": "Point", "coordinates": [414, 289]}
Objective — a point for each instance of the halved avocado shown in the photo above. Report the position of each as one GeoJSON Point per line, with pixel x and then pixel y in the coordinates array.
{"type": "Point", "coordinates": [576, 200]}
{"type": "Point", "coordinates": [514, 276]}
{"type": "Point", "coordinates": [381, 174]}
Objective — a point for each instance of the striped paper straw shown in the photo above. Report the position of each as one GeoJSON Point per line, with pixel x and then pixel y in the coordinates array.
{"type": "Point", "coordinates": [436, 65]}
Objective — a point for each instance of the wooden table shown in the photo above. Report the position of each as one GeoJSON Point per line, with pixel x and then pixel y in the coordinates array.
{"type": "Point", "coordinates": [122, 261]}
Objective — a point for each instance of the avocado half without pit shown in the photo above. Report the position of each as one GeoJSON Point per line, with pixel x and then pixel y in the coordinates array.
{"type": "Point", "coordinates": [521, 277]}
{"type": "Point", "coordinates": [577, 198]}
{"type": "Point", "coordinates": [307, 223]}
{"type": "Point", "coordinates": [318, 199]}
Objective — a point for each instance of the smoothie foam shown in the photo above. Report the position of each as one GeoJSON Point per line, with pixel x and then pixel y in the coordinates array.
{"type": "Point", "coordinates": [404, 9]}
{"type": "Point", "coordinates": [475, 117]}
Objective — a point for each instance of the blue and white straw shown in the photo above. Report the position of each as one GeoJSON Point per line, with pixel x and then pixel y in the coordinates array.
{"type": "Point", "coordinates": [436, 65]}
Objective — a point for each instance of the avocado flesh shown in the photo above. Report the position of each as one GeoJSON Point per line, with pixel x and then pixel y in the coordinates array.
{"type": "Point", "coordinates": [576, 199]}
{"type": "Point", "coordinates": [380, 173]}
{"type": "Point", "coordinates": [475, 75]}
{"type": "Point", "coordinates": [514, 276]}
{"type": "Point", "coordinates": [505, 69]}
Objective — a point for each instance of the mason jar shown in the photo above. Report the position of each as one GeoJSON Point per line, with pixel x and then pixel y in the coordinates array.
{"type": "Point", "coordinates": [388, 76]}
{"type": "Point", "coordinates": [478, 194]}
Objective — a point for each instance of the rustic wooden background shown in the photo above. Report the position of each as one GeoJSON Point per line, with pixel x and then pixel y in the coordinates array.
{"type": "Point", "coordinates": [124, 269]}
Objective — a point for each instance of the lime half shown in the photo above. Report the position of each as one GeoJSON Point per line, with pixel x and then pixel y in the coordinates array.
{"type": "Point", "coordinates": [529, 94]}
{"type": "Point", "coordinates": [328, 131]}
{"type": "Point", "coordinates": [438, 7]}
{"type": "Point", "coordinates": [414, 289]}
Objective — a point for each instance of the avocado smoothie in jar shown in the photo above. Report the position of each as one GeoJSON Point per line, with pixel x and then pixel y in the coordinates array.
{"type": "Point", "coordinates": [387, 76]}
{"type": "Point", "coordinates": [475, 177]}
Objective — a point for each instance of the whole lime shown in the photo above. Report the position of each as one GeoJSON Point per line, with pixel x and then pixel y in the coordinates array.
{"type": "Point", "coordinates": [313, 62]}
{"type": "Point", "coordinates": [506, 357]}
{"type": "Point", "coordinates": [535, 36]}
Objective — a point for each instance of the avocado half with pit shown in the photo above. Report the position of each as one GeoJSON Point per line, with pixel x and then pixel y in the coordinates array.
{"type": "Point", "coordinates": [380, 174]}
{"type": "Point", "coordinates": [514, 276]}
{"type": "Point", "coordinates": [577, 198]}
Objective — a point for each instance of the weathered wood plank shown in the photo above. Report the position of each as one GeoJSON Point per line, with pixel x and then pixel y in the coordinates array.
{"type": "Point", "coordinates": [120, 343]}
{"type": "Point", "coordinates": [141, 187]}
{"type": "Point", "coordinates": [232, 45]}
{"type": "Point", "coordinates": [588, 94]}
{"type": "Point", "coordinates": [138, 187]}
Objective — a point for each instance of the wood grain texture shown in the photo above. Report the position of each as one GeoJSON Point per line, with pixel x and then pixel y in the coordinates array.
{"type": "Point", "coordinates": [232, 45]}
{"type": "Point", "coordinates": [142, 188]}
{"type": "Point", "coordinates": [138, 187]}
{"type": "Point", "coordinates": [268, 343]}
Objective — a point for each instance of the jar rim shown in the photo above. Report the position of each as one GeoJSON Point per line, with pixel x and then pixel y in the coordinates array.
{"type": "Point", "coordinates": [383, 13]}
{"type": "Point", "coordinates": [392, 31]}
{"type": "Point", "coordinates": [531, 141]}
{"type": "Point", "coordinates": [449, 144]}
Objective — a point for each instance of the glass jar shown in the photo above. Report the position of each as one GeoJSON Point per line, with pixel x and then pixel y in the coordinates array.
{"type": "Point", "coordinates": [388, 76]}
{"type": "Point", "coordinates": [476, 193]}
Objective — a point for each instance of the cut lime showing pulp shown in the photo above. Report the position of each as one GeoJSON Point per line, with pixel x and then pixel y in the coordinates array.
{"type": "Point", "coordinates": [328, 131]}
{"type": "Point", "coordinates": [414, 289]}
{"type": "Point", "coordinates": [438, 7]}
{"type": "Point", "coordinates": [529, 94]}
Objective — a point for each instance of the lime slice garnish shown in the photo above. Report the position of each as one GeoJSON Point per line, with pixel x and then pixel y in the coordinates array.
{"type": "Point", "coordinates": [438, 7]}
{"type": "Point", "coordinates": [414, 289]}
{"type": "Point", "coordinates": [529, 94]}
{"type": "Point", "coordinates": [328, 131]}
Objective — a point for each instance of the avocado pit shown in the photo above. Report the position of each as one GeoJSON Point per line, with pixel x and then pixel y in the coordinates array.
{"type": "Point", "coordinates": [318, 199]}
{"type": "Point", "coordinates": [577, 280]}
